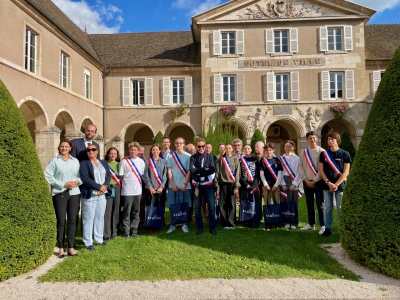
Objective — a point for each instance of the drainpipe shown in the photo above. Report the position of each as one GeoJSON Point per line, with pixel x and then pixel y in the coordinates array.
{"type": "Point", "coordinates": [104, 76]}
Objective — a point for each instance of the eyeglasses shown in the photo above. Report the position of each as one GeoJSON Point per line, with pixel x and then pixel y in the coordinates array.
{"type": "Point", "coordinates": [179, 143]}
{"type": "Point", "coordinates": [237, 145]}
{"type": "Point", "coordinates": [201, 146]}
{"type": "Point", "coordinates": [91, 150]}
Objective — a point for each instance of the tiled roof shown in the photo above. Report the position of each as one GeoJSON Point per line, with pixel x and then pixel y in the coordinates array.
{"type": "Point", "coordinates": [147, 49]}
{"type": "Point", "coordinates": [381, 41]}
{"type": "Point", "coordinates": [48, 9]}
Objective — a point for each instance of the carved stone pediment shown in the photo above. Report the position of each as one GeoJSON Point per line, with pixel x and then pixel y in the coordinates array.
{"type": "Point", "coordinates": [280, 9]}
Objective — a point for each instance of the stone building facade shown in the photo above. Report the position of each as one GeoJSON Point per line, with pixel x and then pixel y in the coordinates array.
{"type": "Point", "coordinates": [280, 62]}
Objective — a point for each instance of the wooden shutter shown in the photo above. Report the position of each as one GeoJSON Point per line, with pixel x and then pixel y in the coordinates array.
{"type": "Point", "coordinates": [126, 92]}
{"type": "Point", "coordinates": [294, 43]}
{"type": "Point", "coordinates": [188, 90]}
{"type": "Point", "coordinates": [323, 38]}
{"type": "Point", "coordinates": [348, 38]}
{"type": "Point", "coordinates": [294, 86]}
{"type": "Point", "coordinates": [217, 47]}
{"type": "Point", "coordinates": [269, 41]}
{"type": "Point", "coordinates": [270, 86]}
{"type": "Point", "coordinates": [240, 41]}
{"type": "Point", "coordinates": [166, 91]}
{"type": "Point", "coordinates": [349, 74]}
{"type": "Point", "coordinates": [325, 85]}
{"type": "Point", "coordinates": [148, 91]}
{"type": "Point", "coordinates": [240, 87]}
{"type": "Point", "coordinates": [376, 79]}
{"type": "Point", "coordinates": [217, 88]}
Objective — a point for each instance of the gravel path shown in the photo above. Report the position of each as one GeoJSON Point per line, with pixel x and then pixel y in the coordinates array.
{"type": "Point", "coordinates": [372, 286]}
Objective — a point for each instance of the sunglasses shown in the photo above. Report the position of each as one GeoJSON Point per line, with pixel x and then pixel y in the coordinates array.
{"type": "Point", "coordinates": [91, 150]}
{"type": "Point", "coordinates": [201, 146]}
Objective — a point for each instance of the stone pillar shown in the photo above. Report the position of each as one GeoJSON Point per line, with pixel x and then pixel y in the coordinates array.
{"type": "Point", "coordinates": [47, 141]}
{"type": "Point", "coordinates": [301, 144]}
{"type": "Point", "coordinates": [118, 143]}
{"type": "Point", "coordinates": [100, 140]}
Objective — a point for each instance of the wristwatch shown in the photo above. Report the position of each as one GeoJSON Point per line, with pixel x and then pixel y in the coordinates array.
{"type": "Point", "coordinates": [327, 181]}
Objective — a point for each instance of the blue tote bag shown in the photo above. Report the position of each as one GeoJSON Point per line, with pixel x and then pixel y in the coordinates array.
{"type": "Point", "coordinates": [179, 211]}
{"type": "Point", "coordinates": [248, 213]}
{"type": "Point", "coordinates": [154, 217]}
{"type": "Point", "coordinates": [272, 214]}
{"type": "Point", "coordinates": [290, 213]}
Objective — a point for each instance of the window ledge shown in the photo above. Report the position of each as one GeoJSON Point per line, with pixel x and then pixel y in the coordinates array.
{"type": "Point", "coordinates": [229, 55]}
{"type": "Point", "coordinates": [335, 52]}
{"type": "Point", "coordinates": [282, 54]}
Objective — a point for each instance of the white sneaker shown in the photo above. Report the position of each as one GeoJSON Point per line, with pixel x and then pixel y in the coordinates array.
{"type": "Point", "coordinates": [293, 227]}
{"type": "Point", "coordinates": [321, 231]}
{"type": "Point", "coordinates": [287, 226]}
{"type": "Point", "coordinates": [185, 229]}
{"type": "Point", "coordinates": [308, 227]}
{"type": "Point", "coordinates": [171, 228]}
{"type": "Point", "coordinates": [227, 227]}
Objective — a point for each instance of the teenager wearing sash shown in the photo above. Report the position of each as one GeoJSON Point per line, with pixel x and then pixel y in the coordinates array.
{"type": "Point", "coordinates": [131, 170]}
{"type": "Point", "coordinates": [227, 184]}
{"type": "Point", "coordinates": [249, 176]}
{"type": "Point", "coordinates": [96, 176]}
{"type": "Point", "coordinates": [221, 150]}
{"type": "Point", "coordinates": [178, 172]}
{"type": "Point", "coordinates": [290, 176]}
{"type": "Point", "coordinates": [202, 169]}
{"type": "Point", "coordinates": [155, 178]}
{"type": "Point", "coordinates": [270, 175]}
{"type": "Point", "coordinates": [334, 167]}
{"type": "Point", "coordinates": [62, 173]}
{"type": "Point", "coordinates": [113, 209]}
{"type": "Point", "coordinates": [312, 183]}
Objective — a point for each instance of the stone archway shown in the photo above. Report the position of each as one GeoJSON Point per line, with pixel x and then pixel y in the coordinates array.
{"type": "Point", "coordinates": [34, 115]}
{"type": "Point", "coordinates": [86, 121]}
{"type": "Point", "coordinates": [237, 124]}
{"type": "Point", "coordinates": [65, 123]}
{"type": "Point", "coordinates": [179, 129]}
{"type": "Point", "coordinates": [277, 131]}
{"type": "Point", "coordinates": [140, 133]}
{"type": "Point", "coordinates": [339, 125]}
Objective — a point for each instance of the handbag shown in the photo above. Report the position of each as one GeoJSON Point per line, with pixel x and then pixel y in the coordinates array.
{"type": "Point", "coordinates": [248, 213]}
{"type": "Point", "coordinates": [179, 211]}
{"type": "Point", "coordinates": [272, 214]}
{"type": "Point", "coordinates": [154, 217]}
{"type": "Point", "coordinates": [290, 213]}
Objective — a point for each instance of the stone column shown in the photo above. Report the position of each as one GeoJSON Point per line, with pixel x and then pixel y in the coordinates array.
{"type": "Point", "coordinates": [100, 140]}
{"type": "Point", "coordinates": [118, 143]}
{"type": "Point", "coordinates": [301, 144]}
{"type": "Point", "coordinates": [47, 141]}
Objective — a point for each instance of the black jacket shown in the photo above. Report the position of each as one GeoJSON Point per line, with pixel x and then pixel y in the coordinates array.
{"type": "Point", "coordinates": [195, 168]}
{"type": "Point", "coordinates": [87, 176]}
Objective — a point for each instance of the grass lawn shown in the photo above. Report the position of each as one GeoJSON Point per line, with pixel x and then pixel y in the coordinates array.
{"type": "Point", "coordinates": [240, 253]}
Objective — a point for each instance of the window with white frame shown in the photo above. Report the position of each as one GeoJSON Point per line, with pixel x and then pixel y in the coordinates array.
{"type": "Point", "coordinates": [228, 42]}
{"type": "Point", "coordinates": [376, 80]}
{"type": "Point", "coordinates": [31, 44]}
{"type": "Point", "coordinates": [337, 85]}
{"type": "Point", "coordinates": [282, 86]}
{"type": "Point", "coordinates": [87, 83]}
{"type": "Point", "coordinates": [64, 70]}
{"type": "Point", "coordinates": [177, 90]}
{"type": "Point", "coordinates": [137, 91]}
{"type": "Point", "coordinates": [281, 40]}
{"type": "Point", "coordinates": [228, 88]}
{"type": "Point", "coordinates": [336, 38]}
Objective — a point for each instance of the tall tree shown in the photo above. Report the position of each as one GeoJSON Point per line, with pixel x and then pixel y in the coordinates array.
{"type": "Point", "coordinates": [370, 221]}
{"type": "Point", "coordinates": [27, 222]}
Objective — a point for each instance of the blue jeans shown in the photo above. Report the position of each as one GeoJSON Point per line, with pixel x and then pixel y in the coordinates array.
{"type": "Point", "coordinates": [328, 198]}
{"type": "Point", "coordinates": [206, 192]}
{"type": "Point", "coordinates": [93, 219]}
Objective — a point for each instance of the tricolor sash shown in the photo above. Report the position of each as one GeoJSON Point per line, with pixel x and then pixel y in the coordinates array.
{"type": "Point", "coordinates": [270, 168]}
{"type": "Point", "coordinates": [284, 194]}
{"type": "Point", "coordinates": [134, 169]}
{"type": "Point", "coordinates": [247, 168]}
{"type": "Point", "coordinates": [309, 161]}
{"type": "Point", "coordinates": [287, 167]}
{"type": "Point", "coordinates": [115, 177]}
{"type": "Point", "coordinates": [332, 163]}
{"type": "Point", "coordinates": [253, 191]}
{"type": "Point", "coordinates": [179, 164]}
{"type": "Point", "coordinates": [228, 168]}
{"type": "Point", "coordinates": [154, 170]}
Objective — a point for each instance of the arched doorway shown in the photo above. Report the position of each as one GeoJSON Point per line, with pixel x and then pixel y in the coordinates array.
{"type": "Point", "coordinates": [235, 127]}
{"type": "Point", "coordinates": [85, 123]}
{"type": "Point", "coordinates": [280, 131]}
{"type": "Point", "coordinates": [139, 133]}
{"type": "Point", "coordinates": [180, 130]}
{"type": "Point", "coordinates": [65, 123]}
{"type": "Point", "coordinates": [340, 126]}
{"type": "Point", "coordinates": [34, 117]}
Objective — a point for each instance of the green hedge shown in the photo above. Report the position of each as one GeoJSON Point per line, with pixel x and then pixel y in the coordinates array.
{"type": "Point", "coordinates": [371, 203]}
{"type": "Point", "coordinates": [158, 138]}
{"type": "Point", "coordinates": [27, 222]}
{"type": "Point", "coordinates": [257, 137]}
{"type": "Point", "coordinates": [347, 144]}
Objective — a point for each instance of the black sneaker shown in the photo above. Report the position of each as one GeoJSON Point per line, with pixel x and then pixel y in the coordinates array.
{"type": "Point", "coordinates": [327, 232]}
{"type": "Point", "coordinates": [135, 235]}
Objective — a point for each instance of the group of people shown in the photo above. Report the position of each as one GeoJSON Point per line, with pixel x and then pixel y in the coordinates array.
{"type": "Point", "coordinates": [115, 191]}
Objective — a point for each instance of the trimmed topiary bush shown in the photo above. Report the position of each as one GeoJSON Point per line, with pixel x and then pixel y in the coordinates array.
{"type": "Point", "coordinates": [257, 137]}
{"type": "Point", "coordinates": [347, 144]}
{"type": "Point", "coordinates": [370, 220]}
{"type": "Point", "coordinates": [27, 222]}
{"type": "Point", "coordinates": [158, 138]}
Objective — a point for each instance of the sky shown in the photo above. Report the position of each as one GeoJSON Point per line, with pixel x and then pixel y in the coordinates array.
{"type": "Point", "coordinates": [120, 16]}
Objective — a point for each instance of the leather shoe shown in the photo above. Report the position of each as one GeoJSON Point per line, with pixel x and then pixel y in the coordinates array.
{"type": "Point", "coordinates": [90, 248]}
{"type": "Point", "coordinates": [213, 231]}
{"type": "Point", "coordinates": [199, 231]}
